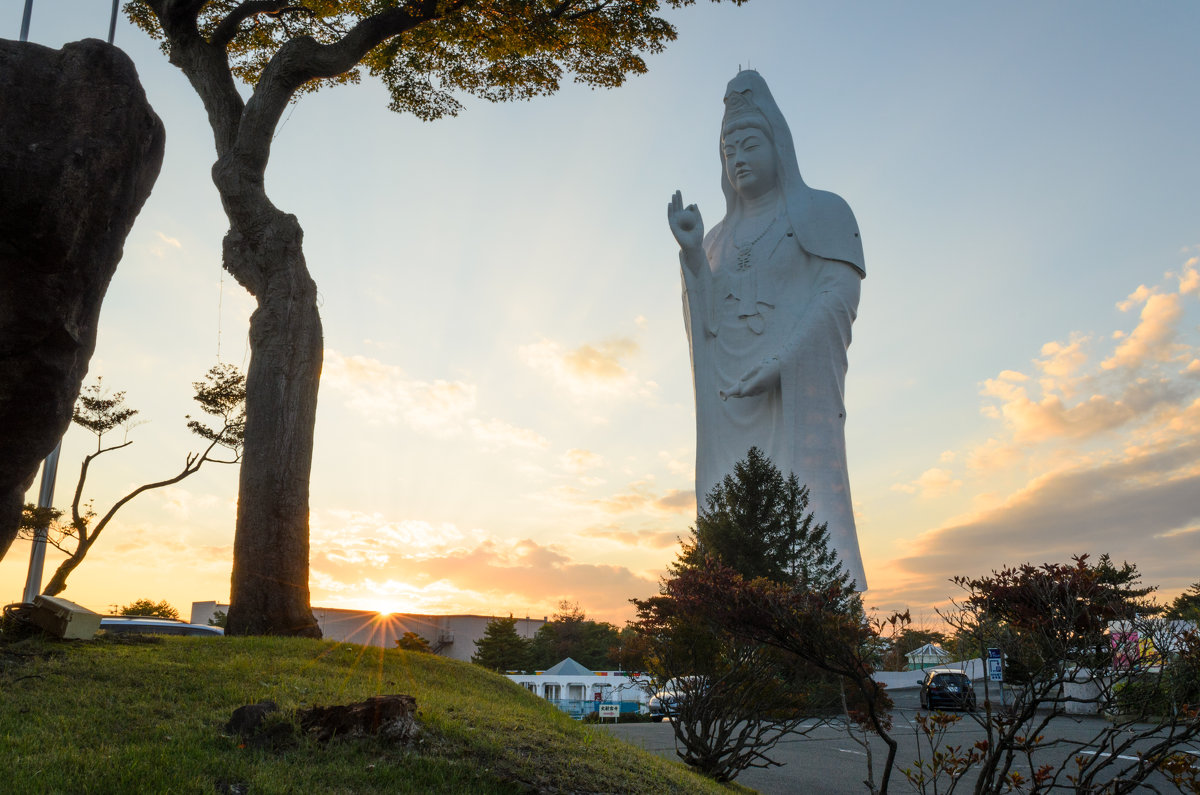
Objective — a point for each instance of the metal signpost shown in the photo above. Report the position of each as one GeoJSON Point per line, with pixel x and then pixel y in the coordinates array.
{"type": "Point", "coordinates": [995, 670]}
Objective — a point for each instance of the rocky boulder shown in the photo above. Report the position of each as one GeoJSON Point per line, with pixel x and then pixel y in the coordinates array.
{"type": "Point", "coordinates": [80, 149]}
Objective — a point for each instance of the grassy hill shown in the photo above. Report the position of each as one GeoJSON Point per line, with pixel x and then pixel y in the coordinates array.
{"type": "Point", "coordinates": [147, 714]}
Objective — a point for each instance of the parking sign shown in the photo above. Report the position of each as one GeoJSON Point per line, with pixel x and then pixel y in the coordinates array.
{"type": "Point", "coordinates": [995, 664]}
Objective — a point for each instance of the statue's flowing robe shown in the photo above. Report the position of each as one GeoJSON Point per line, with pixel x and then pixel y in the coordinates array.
{"type": "Point", "coordinates": [796, 306]}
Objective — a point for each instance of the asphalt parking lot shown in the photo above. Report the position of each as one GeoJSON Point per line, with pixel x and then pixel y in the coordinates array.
{"type": "Point", "coordinates": [827, 760]}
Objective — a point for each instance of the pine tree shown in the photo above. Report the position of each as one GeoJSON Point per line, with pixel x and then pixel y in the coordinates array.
{"type": "Point", "coordinates": [501, 648]}
{"type": "Point", "coordinates": [1186, 606]}
{"type": "Point", "coordinates": [757, 522]}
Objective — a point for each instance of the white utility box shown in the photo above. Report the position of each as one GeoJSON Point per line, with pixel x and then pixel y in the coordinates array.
{"type": "Point", "coordinates": [63, 618]}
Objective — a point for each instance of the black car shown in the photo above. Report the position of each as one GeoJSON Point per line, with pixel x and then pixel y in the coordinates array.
{"type": "Point", "coordinates": [947, 688]}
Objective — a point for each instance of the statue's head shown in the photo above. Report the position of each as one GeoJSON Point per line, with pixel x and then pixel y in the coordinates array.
{"type": "Point", "coordinates": [755, 141]}
{"type": "Point", "coordinates": [755, 134]}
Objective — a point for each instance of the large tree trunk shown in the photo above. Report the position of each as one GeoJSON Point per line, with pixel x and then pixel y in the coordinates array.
{"type": "Point", "coordinates": [269, 594]}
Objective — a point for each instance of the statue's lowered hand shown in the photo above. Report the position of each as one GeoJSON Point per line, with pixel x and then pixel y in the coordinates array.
{"type": "Point", "coordinates": [761, 378]}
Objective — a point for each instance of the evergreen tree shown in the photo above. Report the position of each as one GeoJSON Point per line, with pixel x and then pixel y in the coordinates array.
{"type": "Point", "coordinates": [1126, 581]}
{"type": "Point", "coordinates": [501, 648]}
{"type": "Point", "coordinates": [570, 633]}
{"type": "Point", "coordinates": [1186, 606]}
{"type": "Point", "coordinates": [145, 607]}
{"type": "Point", "coordinates": [757, 522]}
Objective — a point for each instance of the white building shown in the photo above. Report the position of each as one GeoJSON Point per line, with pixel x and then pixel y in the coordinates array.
{"type": "Point", "coordinates": [577, 691]}
{"type": "Point", "coordinates": [451, 636]}
{"type": "Point", "coordinates": [927, 656]}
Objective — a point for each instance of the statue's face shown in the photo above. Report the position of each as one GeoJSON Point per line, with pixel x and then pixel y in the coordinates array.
{"type": "Point", "coordinates": [750, 162]}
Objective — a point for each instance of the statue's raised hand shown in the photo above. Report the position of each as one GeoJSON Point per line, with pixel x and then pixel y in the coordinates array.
{"type": "Point", "coordinates": [688, 228]}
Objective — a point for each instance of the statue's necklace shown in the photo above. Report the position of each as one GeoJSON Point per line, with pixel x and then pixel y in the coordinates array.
{"type": "Point", "coordinates": [745, 249]}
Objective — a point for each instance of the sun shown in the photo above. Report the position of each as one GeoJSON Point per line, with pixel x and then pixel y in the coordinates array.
{"type": "Point", "coordinates": [386, 607]}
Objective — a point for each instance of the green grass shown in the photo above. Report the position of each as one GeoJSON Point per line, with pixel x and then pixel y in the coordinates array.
{"type": "Point", "coordinates": [115, 716]}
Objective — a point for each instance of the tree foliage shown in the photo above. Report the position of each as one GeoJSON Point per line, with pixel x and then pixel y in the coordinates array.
{"type": "Point", "coordinates": [789, 641]}
{"type": "Point", "coordinates": [753, 538]}
{"type": "Point", "coordinates": [501, 648]}
{"type": "Point", "coordinates": [1065, 631]}
{"type": "Point", "coordinates": [1186, 606]}
{"type": "Point", "coordinates": [148, 607]}
{"type": "Point", "coordinates": [570, 633]}
{"type": "Point", "coordinates": [756, 521]}
{"type": "Point", "coordinates": [908, 640]}
{"type": "Point", "coordinates": [100, 412]}
{"type": "Point", "coordinates": [428, 53]}
{"type": "Point", "coordinates": [411, 641]}
{"type": "Point", "coordinates": [221, 393]}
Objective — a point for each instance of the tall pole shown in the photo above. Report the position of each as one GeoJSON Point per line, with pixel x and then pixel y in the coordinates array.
{"type": "Point", "coordinates": [37, 555]}
{"type": "Point", "coordinates": [25, 20]}
{"type": "Point", "coordinates": [112, 23]}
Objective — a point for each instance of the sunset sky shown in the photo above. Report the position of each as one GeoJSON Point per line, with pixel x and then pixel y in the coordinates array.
{"type": "Point", "coordinates": [506, 414]}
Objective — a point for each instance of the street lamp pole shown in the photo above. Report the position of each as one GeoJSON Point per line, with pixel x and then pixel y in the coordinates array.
{"type": "Point", "coordinates": [25, 20]}
{"type": "Point", "coordinates": [37, 555]}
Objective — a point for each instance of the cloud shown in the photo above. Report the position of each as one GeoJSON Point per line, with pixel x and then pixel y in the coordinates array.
{"type": "Point", "coordinates": [652, 539]}
{"type": "Point", "coordinates": [642, 496]}
{"type": "Point", "coordinates": [383, 394]}
{"type": "Point", "coordinates": [1139, 380]}
{"type": "Point", "coordinates": [1113, 445]}
{"type": "Point", "coordinates": [1142, 509]}
{"type": "Point", "coordinates": [932, 483]}
{"type": "Point", "coordinates": [362, 558]}
{"type": "Point", "coordinates": [590, 370]}
{"type": "Point", "coordinates": [497, 433]}
{"type": "Point", "coordinates": [164, 242]}
{"type": "Point", "coordinates": [579, 461]}
{"type": "Point", "coordinates": [1189, 277]}
{"type": "Point", "coordinates": [1153, 338]}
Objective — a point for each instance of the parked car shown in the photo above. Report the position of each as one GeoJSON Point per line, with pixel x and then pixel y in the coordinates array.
{"type": "Point", "coordinates": [665, 703]}
{"type": "Point", "coordinates": [153, 625]}
{"type": "Point", "coordinates": [947, 688]}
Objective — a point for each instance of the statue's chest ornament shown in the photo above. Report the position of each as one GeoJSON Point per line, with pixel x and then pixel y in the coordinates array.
{"type": "Point", "coordinates": [746, 250]}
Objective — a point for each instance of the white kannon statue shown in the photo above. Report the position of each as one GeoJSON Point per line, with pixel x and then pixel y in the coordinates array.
{"type": "Point", "coordinates": [769, 297]}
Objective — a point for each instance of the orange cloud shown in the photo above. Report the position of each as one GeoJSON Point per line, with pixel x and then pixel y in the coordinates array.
{"type": "Point", "coordinates": [1153, 338]}
{"type": "Point", "coordinates": [464, 571]}
{"type": "Point", "coordinates": [932, 483]}
{"type": "Point", "coordinates": [1189, 278]}
{"type": "Point", "coordinates": [590, 370]}
{"type": "Point", "coordinates": [579, 461]}
{"type": "Point", "coordinates": [1115, 445]}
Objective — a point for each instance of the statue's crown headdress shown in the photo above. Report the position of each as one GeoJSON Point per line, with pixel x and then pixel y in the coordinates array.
{"type": "Point", "coordinates": [740, 111]}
